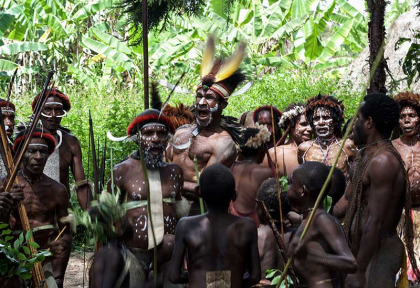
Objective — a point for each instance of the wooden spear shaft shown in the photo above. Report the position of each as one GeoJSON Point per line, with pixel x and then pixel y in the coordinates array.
{"type": "Point", "coordinates": [324, 187]}
{"type": "Point", "coordinates": [145, 54]}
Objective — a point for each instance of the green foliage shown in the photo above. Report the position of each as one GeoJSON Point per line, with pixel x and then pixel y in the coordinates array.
{"type": "Point", "coordinates": [274, 274]}
{"type": "Point", "coordinates": [411, 62]}
{"type": "Point", "coordinates": [15, 256]}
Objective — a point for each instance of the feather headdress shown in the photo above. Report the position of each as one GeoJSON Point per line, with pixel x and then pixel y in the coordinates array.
{"type": "Point", "coordinates": [222, 76]}
{"type": "Point", "coordinates": [256, 135]}
{"type": "Point", "coordinates": [56, 93]}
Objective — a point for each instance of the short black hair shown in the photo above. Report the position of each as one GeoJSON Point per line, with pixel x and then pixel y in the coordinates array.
{"type": "Point", "coordinates": [384, 111]}
{"type": "Point", "coordinates": [217, 186]}
{"type": "Point", "coordinates": [338, 185]}
{"type": "Point", "coordinates": [313, 175]}
{"type": "Point", "coordinates": [268, 194]}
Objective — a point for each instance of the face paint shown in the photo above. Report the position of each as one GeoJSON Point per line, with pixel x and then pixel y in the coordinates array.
{"type": "Point", "coordinates": [323, 123]}
{"type": "Point", "coordinates": [206, 106]}
{"type": "Point", "coordinates": [409, 121]}
{"type": "Point", "coordinates": [154, 138]}
{"type": "Point", "coordinates": [52, 113]}
{"type": "Point", "coordinates": [303, 130]}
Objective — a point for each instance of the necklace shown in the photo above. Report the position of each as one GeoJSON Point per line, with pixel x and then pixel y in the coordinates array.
{"type": "Point", "coordinates": [372, 144]}
{"type": "Point", "coordinates": [29, 179]}
{"type": "Point", "coordinates": [327, 150]}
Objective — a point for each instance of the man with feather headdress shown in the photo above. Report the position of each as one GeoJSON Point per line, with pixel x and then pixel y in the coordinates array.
{"type": "Point", "coordinates": [149, 183]}
{"type": "Point", "coordinates": [212, 138]}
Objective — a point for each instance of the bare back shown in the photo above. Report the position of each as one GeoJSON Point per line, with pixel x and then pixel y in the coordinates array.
{"type": "Point", "coordinates": [218, 242]}
{"type": "Point", "coordinates": [248, 179]}
{"type": "Point", "coordinates": [287, 158]}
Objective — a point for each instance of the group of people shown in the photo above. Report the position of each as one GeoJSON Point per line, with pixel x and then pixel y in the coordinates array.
{"type": "Point", "coordinates": [206, 206]}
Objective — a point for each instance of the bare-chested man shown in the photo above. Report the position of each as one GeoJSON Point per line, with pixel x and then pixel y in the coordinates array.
{"type": "Point", "coordinates": [408, 145]}
{"type": "Point", "coordinates": [165, 183]}
{"type": "Point", "coordinates": [8, 113]}
{"type": "Point", "coordinates": [248, 172]}
{"type": "Point", "coordinates": [212, 138]}
{"type": "Point", "coordinates": [68, 154]}
{"type": "Point", "coordinates": [46, 204]}
{"type": "Point", "coordinates": [262, 115]}
{"type": "Point", "coordinates": [293, 123]}
{"type": "Point", "coordinates": [219, 247]}
{"type": "Point", "coordinates": [325, 114]}
{"type": "Point", "coordinates": [324, 252]}
{"type": "Point", "coordinates": [378, 193]}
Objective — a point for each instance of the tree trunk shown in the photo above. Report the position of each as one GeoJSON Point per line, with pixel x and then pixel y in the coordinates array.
{"type": "Point", "coordinates": [376, 36]}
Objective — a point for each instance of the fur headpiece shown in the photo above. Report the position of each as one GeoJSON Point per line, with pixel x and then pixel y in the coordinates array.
{"type": "Point", "coordinates": [411, 99]}
{"type": "Point", "coordinates": [7, 105]}
{"type": "Point", "coordinates": [56, 93]}
{"type": "Point", "coordinates": [335, 106]}
{"type": "Point", "coordinates": [38, 133]}
{"type": "Point", "coordinates": [220, 75]}
{"type": "Point", "coordinates": [290, 114]}
{"type": "Point", "coordinates": [276, 112]}
{"type": "Point", "coordinates": [152, 115]}
{"type": "Point", "coordinates": [256, 135]}
{"type": "Point", "coordinates": [179, 114]}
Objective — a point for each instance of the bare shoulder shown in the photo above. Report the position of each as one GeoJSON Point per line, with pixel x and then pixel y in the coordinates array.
{"type": "Point", "coordinates": [124, 166]}
{"type": "Point", "coordinates": [70, 138]}
{"type": "Point", "coordinates": [384, 165]}
{"type": "Point", "coordinates": [305, 145]}
{"type": "Point", "coordinates": [56, 187]}
{"type": "Point", "coordinates": [173, 168]}
{"type": "Point", "coordinates": [184, 129]}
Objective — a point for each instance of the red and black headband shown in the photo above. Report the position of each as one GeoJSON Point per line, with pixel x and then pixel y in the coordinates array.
{"type": "Point", "coordinates": [149, 116]}
{"type": "Point", "coordinates": [53, 92]}
{"type": "Point", "coordinates": [46, 136]}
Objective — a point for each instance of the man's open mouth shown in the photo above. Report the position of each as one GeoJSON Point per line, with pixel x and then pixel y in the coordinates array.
{"type": "Point", "coordinates": [203, 114]}
{"type": "Point", "coordinates": [407, 129]}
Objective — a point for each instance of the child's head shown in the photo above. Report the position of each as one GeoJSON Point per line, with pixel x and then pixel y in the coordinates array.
{"type": "Point", "coordinates": [306, 182]}
{"type": "Point", "coordinates": [217, 186]}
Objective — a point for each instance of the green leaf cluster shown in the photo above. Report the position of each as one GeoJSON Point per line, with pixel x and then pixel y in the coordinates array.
{"type": "Point", "coordinates": [15, 255]}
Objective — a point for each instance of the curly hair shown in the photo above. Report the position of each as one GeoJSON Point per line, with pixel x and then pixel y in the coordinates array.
{"type": "Point", "coordinates": [410, 99]}
{"type": "Point", "coordinates": [333, 105]}
{"type": "Point", "coordinates": [383, 110]}
{"type": "Point", "coordinates": [268, 194]}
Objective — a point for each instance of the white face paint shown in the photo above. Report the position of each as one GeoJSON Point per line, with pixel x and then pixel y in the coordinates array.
{"type": "Point", "coordinates": [323, 123]}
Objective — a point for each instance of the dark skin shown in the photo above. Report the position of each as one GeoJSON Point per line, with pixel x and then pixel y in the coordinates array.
{"type": "Point", "coordinates": [129, 178]}
{"type": "Point", "coordinates": [324, 251]}
{"type": "Point", "coordinates": [383, 191]}
{"type": "Point", "coordinates": [249, 175]}
{"type": "Point", "coordinates": [9, 122]}
{"type": "Point", "coordinates": [216, 241]}
{"type": "Point", "coordinates": [70, 151]}
{"type": "Point", "coordinates": [44, 201]}
{"type": "Point", "coordinates": [212, 145]}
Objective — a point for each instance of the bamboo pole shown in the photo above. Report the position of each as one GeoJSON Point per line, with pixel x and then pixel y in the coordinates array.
{"type": "Point", "coordinates": [327, 181]}
{"type": "Point", "coordinates": [145, 54]}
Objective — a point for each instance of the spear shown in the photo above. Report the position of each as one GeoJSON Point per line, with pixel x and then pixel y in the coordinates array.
{"type": "Point", "coordinates": [94, 161]}
{"type": "Point", "coordinates": [327, 181]}
{"type": "Point", "coordinates": [38, 273]}
{"type": "Point", "coordinates": [149, 208]}
{"type": "Point", "coordinates": [102, 170]}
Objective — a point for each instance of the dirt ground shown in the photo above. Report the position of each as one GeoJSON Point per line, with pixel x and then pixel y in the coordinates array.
{"type": "Point", "coordinates": [74, 272]}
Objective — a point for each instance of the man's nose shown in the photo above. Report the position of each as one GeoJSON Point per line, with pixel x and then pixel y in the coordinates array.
{"type": "Point", "coordinates": [7, 121]}
{"type": "Point", "coordinates": [202, 101]}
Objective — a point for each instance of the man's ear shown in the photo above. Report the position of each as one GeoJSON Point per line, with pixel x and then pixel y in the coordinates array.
{"type": "Point", "coordinates": [369, 123]}
{"type": "Point", "coordinates": [304, 191]}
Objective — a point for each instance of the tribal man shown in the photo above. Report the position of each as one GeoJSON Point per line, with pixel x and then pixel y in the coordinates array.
{"type": "Point", "coordinates": [248, 172]}
{"type": "Point", "coordinates": [262, 115]}
{"type": "Point", "coordinates": [294, 124]}
{"type": "Point", "coordinates": [8, 114]}
{"type": "Point", "coordinates": [212, 139]}
{"type": "Point", "coordinates": [408, 145]}
{"type": "Point", "coordinates": [151, 130]}
{"type": "Point", "coordinates": [46, 204]}
{"type": "Point", "coordinates": [325, 115]}
{"type": "Point", "coordinates": [379, 191]}
{"type": "Point", "coordinates": [67, 154]}
{"type": "Point", "coordinates": [220, 249]}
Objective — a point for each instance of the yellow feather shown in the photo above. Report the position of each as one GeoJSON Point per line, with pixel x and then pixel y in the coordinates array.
{"type": "Point", "coordinates": [230, 66]}
{"type": "Point", "coordinates": [208, 56]}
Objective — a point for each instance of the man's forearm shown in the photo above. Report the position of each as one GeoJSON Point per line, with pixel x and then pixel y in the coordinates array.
{"type": "Point", "coordinates": [60, 261]}
{"type": "Point", "coordinates": [189, 190]}
{"type": "Point", "coordinates": [84, 196]}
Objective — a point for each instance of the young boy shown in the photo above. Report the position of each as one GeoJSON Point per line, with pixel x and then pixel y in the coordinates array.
{"type": "Point", "coordinates": [324, 252]}
{"type": "Point", "coordinates": [220, 247]}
